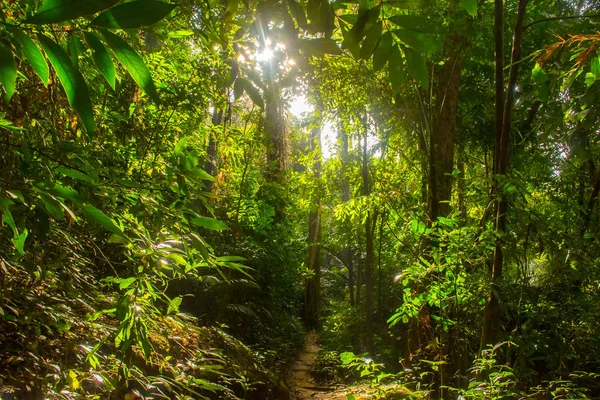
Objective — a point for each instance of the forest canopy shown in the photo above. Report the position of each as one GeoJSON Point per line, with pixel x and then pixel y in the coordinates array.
{"type": "Point", "coordinates": [190, 187]}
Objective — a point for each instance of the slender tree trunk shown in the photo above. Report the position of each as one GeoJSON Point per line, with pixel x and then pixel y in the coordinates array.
{"type": "Point", "coordinates": [210, 165]}
{"type": "Point", "coordinates": [369, 247]}
{"type": "Point", "coordinates": [276, 133]}
{"type": "Point", "coordinates": [347, 251]}
{"type": "Point", "coordinates": [441, 137]}
{"type": "Point", "coordinates": [313, 285]}
{"type": "Point", "coordinates": [491, 317]}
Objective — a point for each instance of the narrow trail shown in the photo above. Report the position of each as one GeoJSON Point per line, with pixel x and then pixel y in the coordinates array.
{"type": "Point", "coordinates": [303, 385]}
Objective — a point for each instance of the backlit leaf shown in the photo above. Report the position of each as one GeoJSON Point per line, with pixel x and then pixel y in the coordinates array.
{"type": "Point", "coordinates": [133, 62]}
{"type": "Point", "coordinates": [383, 51]}
{"type": "Point", "coordinates": [8, 72]}
{"type": "Point", "coordinates": [417, 67]}
{"type": "Point", "coordinates": [72, 82]}
{"type": "Point", "coordinates": [95, 215]}
{"type": "Point", "coordinates": [370, 42]}
{"type": "Point", "coordinates": [33, 54]}
{"type": "Point", "coordinates": [133, 14]}
{"type": "Point", "coordinates": [396, 69]}
{"type": "Point", "coordinates": [470, 6]}
{"type": "Point", "coordinates": [53, 11]}
{"type": "Point", "coordinates": [102, 59]}
{"type": "Point", "coordinates": [208, 223]}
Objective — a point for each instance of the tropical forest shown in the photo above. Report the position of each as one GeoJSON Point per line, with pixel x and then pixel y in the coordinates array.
{"type": "Point", "coordinates": [299, 199]}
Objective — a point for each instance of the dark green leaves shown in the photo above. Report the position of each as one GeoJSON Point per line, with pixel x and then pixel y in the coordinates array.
{"type": "Point", "coordinates": [422, 42]}
{"type": "Point", "coordinates": [133, 62]}
{"type": "Point", "coordinates": [243, 85]}
{"type": "Point", "coordinates": [383, 51]}
{"type": "Point", "coordinates": [33, 54]}
{"type": "Point", "coordinates": [133, 14]}
{"type": "Point", "coordinates": [53, 11]}
{"type": "Point", "coordinates": [298, 13]}
{"type": "Point", "coordinates": [71, 81]}
{"type": "Point", "coordinates": [417, 23]}
{"type": "Point", "coordinates": [417, 67]}
{"type": "Point", "coordinates": [396, 69]}
{"type": "Point", "coordinates": [8, 72]}
{"type": "Point", "coordinates": [102, 59]}
{"type": "Point", "coordinates": [319, 47]}
{"type": "Point", "coordinates": [371, 40]}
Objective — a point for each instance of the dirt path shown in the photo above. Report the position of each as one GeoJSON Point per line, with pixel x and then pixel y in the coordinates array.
{"type": "Point", "coordinates": [303, 386]}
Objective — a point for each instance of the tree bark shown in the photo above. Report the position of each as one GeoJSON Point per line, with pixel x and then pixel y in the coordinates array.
{"type": "Point", "coordinates": [313, 285]}
{"type": "Point", "coordinates": [276, 133]}
{"type": "Point", "coordinates": [347, 251]}
{"type": "Point", "coordinates": [369, 246]}
{"type": "Point", "coordinates": [441, 137]}
{"type": "Point", "coordinates": [491, 317]}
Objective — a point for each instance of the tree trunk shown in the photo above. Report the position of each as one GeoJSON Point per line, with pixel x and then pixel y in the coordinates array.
{"type": "Point", "coordinates": [441, 137]}
{"type": "Point", "coordinates": [347, 251]}
{"type": "Point", "coordinates": [276, 133]}
{"type": "Point", "coordinates": [210, 166]}
{"type": "Point", "coordinates": [491, 317]}
{"type": "Point", "coordinates": [313, 285]}
{"type": "Point", "coordinates": [369, 247]}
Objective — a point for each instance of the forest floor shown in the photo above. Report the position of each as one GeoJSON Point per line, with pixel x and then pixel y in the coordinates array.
{"type": "Point", "coordinates": [302, 384]}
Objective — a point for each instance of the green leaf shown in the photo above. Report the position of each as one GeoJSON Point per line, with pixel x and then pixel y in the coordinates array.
{"type": "Point", "coordinates": [72, 82]}
{"type": "Point", "coordinates": [64, 192]}
{"type": "Point", "coordinates": [97, 216]}
{"type": "Point", "coordinates": [208, 223]}
{"type": "Point", "coordinates": [53, 11]}
{"type": "Point", "coordinates": [419, 23]}
{"type": "Point", "coordinates": [253, 93]}
{"type": "Point", "coordinates": [19, 241]}
{"type": "Point", "coordinates": [423, 42]}
{"type": "Point", "coordinates": [174, 305]}
{"type": "Point", "coordinates": [383, 51]}
{"type": "Point", "coordinates": [180, 34]}
{"type": "Point", "coordinates": [371, 41]}
{"type": "Point", "coordinates": [417, 67]}
{"type": "Point", "coordinates": [319, 47]}
{"type": "Point", "coordinates": [133, 62]}
{"type": "Point", "coordinates": [8, 72]}
{"type": "Point", "coordinates": [589, 79]}
{"type": "Point", "coordinates": [33, 55]}
{"type": "Point", "coordinates": [102, 58]}
{"type": "Point", "coordinates": [126, 282]}
{"type": "Point", "coordinates": [595, 66]}
{"type": "Point", "coordinates": [7, 217]}
{"type": "Point", "coordinates": [396, 69]}
{"type": "Point", "coordinates": [53, 207]}
{"type": "Point", "coordinates": [470, 6]}
{"type": "Point", "coordinates": [298, 13]}
{"type": "Point", "coordinates": [231, 258]}
{"type": "Point", "coordinates": [538, 74]}
{"type": "Point", "coordinates": [409, 4]}
{"type": "Point", "coordinates": [73, 174]}
{"type": "Point", "coordinates": [133, 14]}
{"type": "Point", "coordinates": [238, 88]}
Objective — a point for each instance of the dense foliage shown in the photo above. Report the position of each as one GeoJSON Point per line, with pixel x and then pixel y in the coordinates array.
{"type": "Point", "coordinates": [172, 221]}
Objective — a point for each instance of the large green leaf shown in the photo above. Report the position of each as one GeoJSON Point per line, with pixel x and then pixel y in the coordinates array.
{"type": "Point", "coordinates": [423, 42]}
{"type": "Point", "coordinates": [102, 59]}
{"type": "Point", "coordinates": [208, 223]}
{"type": "Point", "coordinates": [133, 14]}
{"type": "Point", "coordinates": [319, 47]}
{"type": "Point", "coordinates": [417, 67]}
{"type": "Point", "coordinates": [252, 92]}
{"type": "Point", "coordinates": [32, 54]}
{"type": "Point", "coordinates": [133, 62]}
{"type": "Point", "coordinates": [418, 23]}
{"type": "Point", "coordinates": [93, 214]}
{"type": "Point", "coordinates": [72, 82]}
{"type": "Point", "coordinates": [8, 72]}
{"type": "Point", "coordinates": [298, 13]}
{"type": "Point", "coordinates": [396, 69]}
{"type": "Point", "coordinates": [410, 4]}
{"type": "Point", "coordinates": [470, 6]}
{"type": "Point", "coordinates": [371, 40]}
{"type": "Point", "coordinates": [53, 11]}
{"type": "Point", "coordinates": [383, 51]}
